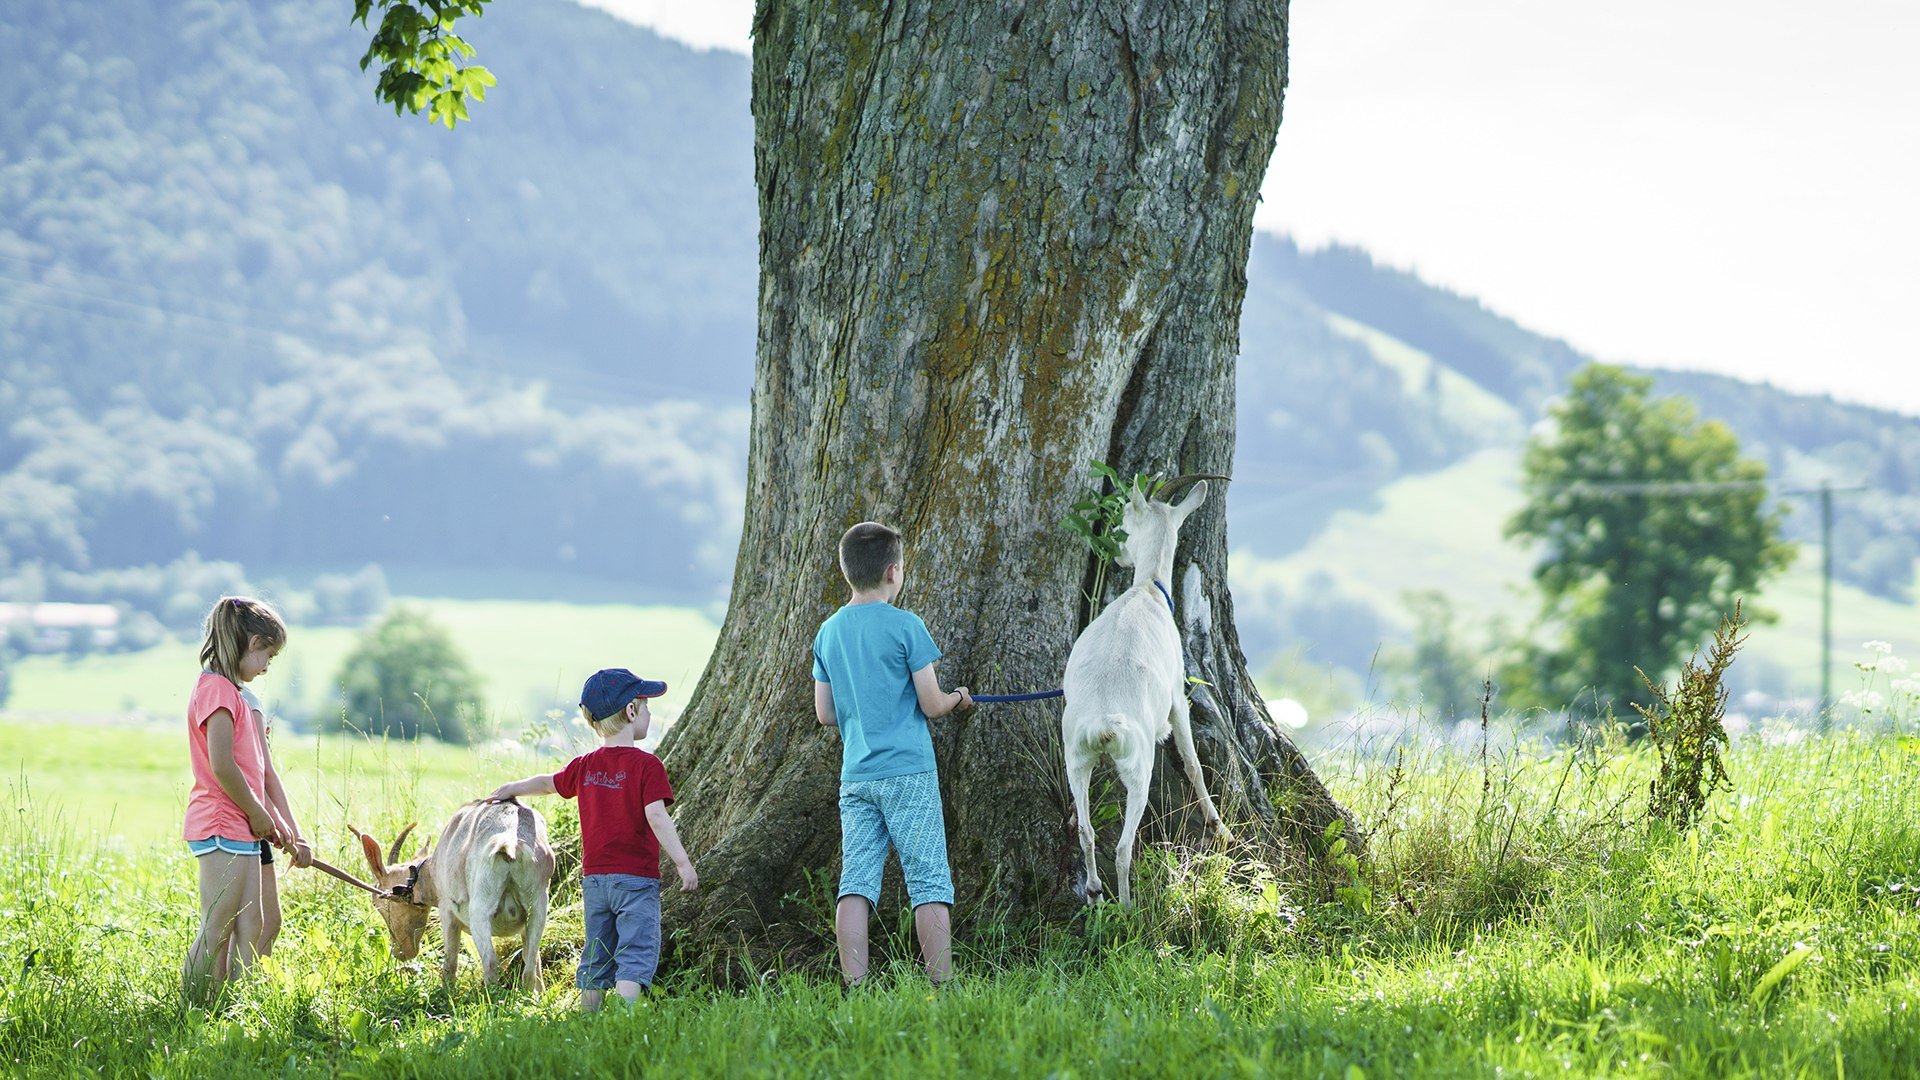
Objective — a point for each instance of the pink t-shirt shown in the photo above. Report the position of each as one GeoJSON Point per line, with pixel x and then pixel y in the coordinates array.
{"type": "Point", "coordinates": [209, 811]}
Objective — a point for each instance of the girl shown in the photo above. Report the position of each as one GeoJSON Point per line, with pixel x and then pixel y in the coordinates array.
{"type": "Point", "coordinates": [227, 818]}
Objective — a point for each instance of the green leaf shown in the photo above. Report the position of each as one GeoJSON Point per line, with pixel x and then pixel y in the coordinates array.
{"type": "Point", "coordinates": [1780, 970]}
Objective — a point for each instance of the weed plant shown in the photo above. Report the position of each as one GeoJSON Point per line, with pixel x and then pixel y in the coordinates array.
{"type": "Point", "coordinates": [1525, 918]}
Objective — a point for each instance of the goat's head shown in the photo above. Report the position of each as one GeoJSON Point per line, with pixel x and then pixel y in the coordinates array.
{"type": "Point", "coordinates": [406, 923]}
{"type": "Point", "coordinates": [1153, 525]}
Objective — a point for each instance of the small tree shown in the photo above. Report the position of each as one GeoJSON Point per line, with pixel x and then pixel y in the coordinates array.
{"type": "Point", "coordinates": [406, 678]}
{"type": "Point", "coordinates": [1649, 522]}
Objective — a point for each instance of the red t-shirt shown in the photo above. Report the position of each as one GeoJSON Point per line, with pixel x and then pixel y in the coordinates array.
{"type": "Point", "coordinates": [615, 784]}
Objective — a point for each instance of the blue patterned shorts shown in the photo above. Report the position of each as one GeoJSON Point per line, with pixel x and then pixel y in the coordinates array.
{"type": "Point", "coordinates": [904, 811]}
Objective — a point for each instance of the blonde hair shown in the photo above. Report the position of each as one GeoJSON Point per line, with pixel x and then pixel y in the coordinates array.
{"type": "Point", "coordinates": [607, 725]}
{"type": "Point", "coordinates": [232, 624]}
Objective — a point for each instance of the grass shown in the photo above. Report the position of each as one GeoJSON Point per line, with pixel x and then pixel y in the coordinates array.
{"type": "Point", "coordinates": [1519, 916]}
{"type": "Point", "coordinates": [130, 797]}
{"type": "Point", "coordinates": [531, 655]}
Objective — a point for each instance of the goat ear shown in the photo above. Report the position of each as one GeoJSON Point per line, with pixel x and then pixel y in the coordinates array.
{"type": "Point", "coordinates": [372, 848]}
{"type": "Point", "coordinates": [1194, 498]}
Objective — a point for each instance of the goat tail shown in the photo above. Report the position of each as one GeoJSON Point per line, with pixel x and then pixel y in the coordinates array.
{"type": "Point", "coordinates": [1112, 726]}
{"type": "Point", "coordinates": [507, 846]}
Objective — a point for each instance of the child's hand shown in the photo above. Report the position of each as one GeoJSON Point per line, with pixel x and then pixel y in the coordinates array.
{"type": "Point", "coordinates": [689, 878]}
{"type": "Point", "coordinates": [501, 793]}
{"type": "Point", "coordinates": [302, 854]}
{"type": "Point", "coordinates": [966, 699]}
{"type": "Point", "coordinates": [263, 828]}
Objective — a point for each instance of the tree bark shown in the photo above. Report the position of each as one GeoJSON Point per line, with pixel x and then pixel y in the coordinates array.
{"type": "Point", "coordinates": [998, 239]}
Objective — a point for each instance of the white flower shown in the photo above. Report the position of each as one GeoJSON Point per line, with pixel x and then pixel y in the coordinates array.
{"type": "Point", "coordinates": [1864, 700]}
{"type": "Point", "coordinates": [1892, 665]}
{"type": "Point", "coordinates": [1881, 647]}
{"type": "Point", "coordinates": [1908, 686]}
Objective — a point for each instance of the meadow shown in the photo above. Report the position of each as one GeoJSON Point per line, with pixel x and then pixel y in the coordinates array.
{"type": "Point", "coordinates": [1519, 915]}
{"type": "Point", "coordinates": [530, 656]}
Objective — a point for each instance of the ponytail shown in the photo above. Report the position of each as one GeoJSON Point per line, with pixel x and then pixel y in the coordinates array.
{"type": "Point", "coordinates": [231, 625]}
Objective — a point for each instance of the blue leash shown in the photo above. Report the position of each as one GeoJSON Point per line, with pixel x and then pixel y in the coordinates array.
{"type": "Point", "coordinates": [995, 699]}
{"type": "Point", "coordinates": [1041, 695]}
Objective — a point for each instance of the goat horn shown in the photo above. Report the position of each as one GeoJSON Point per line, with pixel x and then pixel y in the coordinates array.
{"type": "Point", "coordinates": [1165, 492]}
{"type": "Point", "coordinates": [393, 853]}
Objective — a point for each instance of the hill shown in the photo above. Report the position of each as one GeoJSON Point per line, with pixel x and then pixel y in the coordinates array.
{"type": "Point", "coordinates": [246, 314]}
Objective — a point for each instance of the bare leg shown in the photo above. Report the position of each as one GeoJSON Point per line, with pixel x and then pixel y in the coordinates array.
{"type": "Point", "coordinates": [627, 989]}
{"type": "Point", "coordinates": [1079, 775]}
{"type": "Point", "coordinates": [1138, 777]}
{"type": "Point", "coordinates": [933, 924]}
{"type": "Point", "coordinates": [1190, 761]}
{"type": "Point", "coordinates": [269, 908]}
{"type": "Point", "coordinates": [229, 885]}
{"type": "Point", "coordinates": [850, 927]}
{"type": "Point", "coordinates": [591, 1000]}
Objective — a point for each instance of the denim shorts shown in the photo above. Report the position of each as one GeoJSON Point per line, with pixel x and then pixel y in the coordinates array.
{"type": "Point", "coordinates": [623, 931]}
{"type": "Point", "coordinates": [903, 811]}
{"type": "Point", "coordinates": [223, 843]}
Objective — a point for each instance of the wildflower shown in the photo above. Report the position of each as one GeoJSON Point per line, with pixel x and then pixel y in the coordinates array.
{"type": "Point", "coordinates": [1864, 700]}
{"type": "Point", "coordinates": [1881, 647]}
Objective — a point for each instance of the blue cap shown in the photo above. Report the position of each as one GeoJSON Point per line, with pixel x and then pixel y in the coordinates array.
{"type": "Point", "coordinates": [609, 689]}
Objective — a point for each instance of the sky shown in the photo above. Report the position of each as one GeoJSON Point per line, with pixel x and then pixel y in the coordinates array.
{"type": "Point", "coordinates": [1708, 184]}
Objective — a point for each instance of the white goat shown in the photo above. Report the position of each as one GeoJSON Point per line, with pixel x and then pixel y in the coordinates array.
{"type": "Point", "coordinates": [488, 875]}
{"type": "Point", "coordinates": [1126, 677]}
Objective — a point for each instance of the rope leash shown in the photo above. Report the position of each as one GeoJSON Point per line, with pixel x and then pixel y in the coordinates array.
{"type": "Point", "coordinates": [358, 884]}
{"type": "Point", "coordinates": [1041, 695]}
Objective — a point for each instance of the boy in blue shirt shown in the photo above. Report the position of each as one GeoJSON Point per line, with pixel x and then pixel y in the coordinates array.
{"type": "Point", "coordinates": [873, 678]}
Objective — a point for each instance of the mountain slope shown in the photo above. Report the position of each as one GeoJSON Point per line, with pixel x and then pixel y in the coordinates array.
{"type": "Point", "coordinates": [247, 312]}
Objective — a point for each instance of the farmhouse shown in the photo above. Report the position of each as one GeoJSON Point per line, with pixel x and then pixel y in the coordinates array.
{"type": "Point", "coordinates": [56, 627]}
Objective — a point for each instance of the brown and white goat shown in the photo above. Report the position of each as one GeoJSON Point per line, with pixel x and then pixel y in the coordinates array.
{"type": "Point", "coordinates": [488, 875]}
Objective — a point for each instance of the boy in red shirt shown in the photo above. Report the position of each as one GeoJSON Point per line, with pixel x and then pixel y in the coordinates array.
{"type": "Point", "coordinates": [623, 792]}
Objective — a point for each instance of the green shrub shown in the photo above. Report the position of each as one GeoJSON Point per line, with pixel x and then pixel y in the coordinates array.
{"type": "Point", "coordinates": [406, 679]}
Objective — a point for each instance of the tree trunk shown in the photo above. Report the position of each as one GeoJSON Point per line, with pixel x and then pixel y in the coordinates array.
{"type": "Point", "coordinates": [998, 239]}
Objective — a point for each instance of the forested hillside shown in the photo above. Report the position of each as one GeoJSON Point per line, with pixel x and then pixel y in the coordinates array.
{"type": "Point", "coordinates": [247, 313]}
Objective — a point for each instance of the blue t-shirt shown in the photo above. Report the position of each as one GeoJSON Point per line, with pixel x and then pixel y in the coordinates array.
{"type": "Point", "coordinates": [868, 654]}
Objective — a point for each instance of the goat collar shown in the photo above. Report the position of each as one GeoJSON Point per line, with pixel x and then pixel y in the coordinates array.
{"type": "Point", "coordinates": [406, 893]}
{"type": "Point", "coordinates": [1168, 595]}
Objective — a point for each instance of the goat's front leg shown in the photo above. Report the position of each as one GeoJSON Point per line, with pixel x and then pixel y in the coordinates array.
{"type": "Point", "coordinates": [1138, 776]}
{"type": "Point", "coordinates": [530, 948]}
{"type": "Point", "coordinates": [1079, 774]}
{"type": "Point", "coordinates": [1190, 761]}
{"type": "Point", "coordinates": [450, 945]}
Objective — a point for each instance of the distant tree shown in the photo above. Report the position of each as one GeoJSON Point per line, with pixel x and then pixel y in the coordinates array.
{"type": "Point", "coordinates": [406, 678]}
{"type": "Point", "coordinates": [1650, 524]}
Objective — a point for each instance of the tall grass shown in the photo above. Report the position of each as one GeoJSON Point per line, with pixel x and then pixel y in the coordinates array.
{"type": "Point", "coordinates": [1521, 914]}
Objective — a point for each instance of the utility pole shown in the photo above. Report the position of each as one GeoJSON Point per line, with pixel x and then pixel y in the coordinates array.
{"type": "Point", "coordinates": [1826, 605]}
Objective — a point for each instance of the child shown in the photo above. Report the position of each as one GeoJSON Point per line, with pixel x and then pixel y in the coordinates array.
{"type": "Point", "coordinates": [227, 819]}
{"type": "Point", "coordinates": [289, 830]}
{"type": "Point", "coordinates": [873, 678]}
{"type": "Point", "coordinates": [623, 793]}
